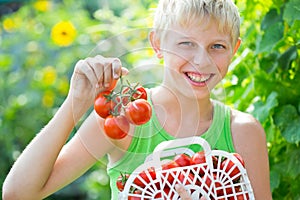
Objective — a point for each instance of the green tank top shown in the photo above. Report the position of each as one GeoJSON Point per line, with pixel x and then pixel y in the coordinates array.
{"type": "Point", "coordinates": [146, 137]}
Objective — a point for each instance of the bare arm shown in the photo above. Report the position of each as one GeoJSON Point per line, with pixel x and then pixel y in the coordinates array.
{"type": "Point", "coordinates": [47, 164]}
{"type": "Point", "coordinates": [34, 169]}
{"type": "Point", "coordinates": [250, 142]}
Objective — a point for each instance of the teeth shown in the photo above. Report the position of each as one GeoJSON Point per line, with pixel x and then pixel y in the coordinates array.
{"type": "Point", "coordinates": [198, 77]}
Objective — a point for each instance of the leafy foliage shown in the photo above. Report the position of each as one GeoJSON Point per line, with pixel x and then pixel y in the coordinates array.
{"type": "Point", "coordinates": [273, 68]}
{"type": "Point", "coordinates": [264, 78]}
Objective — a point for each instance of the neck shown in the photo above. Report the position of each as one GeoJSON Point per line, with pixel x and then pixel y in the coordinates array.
{"type": "Point", "coordinates": [178, 103]}
{"type": "Point", "coordinates": [177, 112]}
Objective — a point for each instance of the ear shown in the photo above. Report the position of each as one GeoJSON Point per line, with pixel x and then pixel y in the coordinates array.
{"type": "Point", "coordinates": [155, 43]}
{"type": "Point", "coordinates": [237, 45]}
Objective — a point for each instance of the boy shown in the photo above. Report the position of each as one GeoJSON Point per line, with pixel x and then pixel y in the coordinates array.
{"type": "Point", "coordinates": [197, 40]}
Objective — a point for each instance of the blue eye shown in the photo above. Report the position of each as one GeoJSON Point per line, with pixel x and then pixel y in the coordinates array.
{"type": "Point", "coordinates": [188, 44]}
{"type": "Point", "coordinates": [218, 46]}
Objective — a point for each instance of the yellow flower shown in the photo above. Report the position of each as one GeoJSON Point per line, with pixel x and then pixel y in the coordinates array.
{"type": "Point", "coordinates": [63, 33]}
{"type": "Point", "coordinates": [42, 5]}
{"type": "Point", "coordinates": [48, 98]}
{"type": "Point", "coordinates": [9, 25]}
{"type": "Point", "coordinates": [49, 75]}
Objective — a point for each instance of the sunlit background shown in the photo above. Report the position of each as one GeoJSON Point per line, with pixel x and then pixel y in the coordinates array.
{"type": "Point", "coordinates": [41, 41]}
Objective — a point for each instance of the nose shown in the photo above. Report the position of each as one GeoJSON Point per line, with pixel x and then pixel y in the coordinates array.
{"type": "Point", "coordinates": [202, 58]}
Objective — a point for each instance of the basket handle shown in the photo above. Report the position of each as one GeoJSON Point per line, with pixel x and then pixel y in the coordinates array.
{"type": "Point", "coordinates": [171, 144]}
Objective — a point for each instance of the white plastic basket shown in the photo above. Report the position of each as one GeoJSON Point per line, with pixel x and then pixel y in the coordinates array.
{"type": "Point", "coordinates": [216, 183]}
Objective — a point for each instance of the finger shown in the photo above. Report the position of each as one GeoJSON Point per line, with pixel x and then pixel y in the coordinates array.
{"type": "Point", "coordinates": [98, 70]}
{"type": "Point", "coordinates": [107, 74]}
{"type": "Point", "coordinates": [182, 192]}
{"type": "Point", "coordinates": [124, 71]}
{"type": "Point", "coordinates": [85, 69]}
{"type": "Point", "coordinates": [116, 68]}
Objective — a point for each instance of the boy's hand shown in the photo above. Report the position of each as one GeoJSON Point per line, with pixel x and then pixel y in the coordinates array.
{"type": "Point", "coordinates": [184, 195]}
{"type": "Point", "coordinates": [91, 76]}
{"type": "Point", "coordinates": [182, 192]}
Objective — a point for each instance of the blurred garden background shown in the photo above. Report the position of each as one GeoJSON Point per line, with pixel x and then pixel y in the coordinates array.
{"type": "Point", "coordinates": [40, 42]}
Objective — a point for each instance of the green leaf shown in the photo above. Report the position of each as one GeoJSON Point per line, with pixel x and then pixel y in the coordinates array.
{"type": "Point", "coordinates": [292, 11]}
{"type": "Point", "coordinates": [287, 57]}
{"type": "Point", "coordinates": [292, 132]}
{"type": "Point", "coordinates": [262, 110]}
{"type": "Point", "coordinates": [288, 121]}
{"type": "Point", "coordinates": [284, 115]}
{"type": "Point", "coordinates": [293, 163]}
{"type": "Point", "coordinates": [274, 179]}
{"type": "Point", "coordinates": [270, 38]}
{"type": "Point", "coordinates": [271, 18]}
{"type": "Point", "coordinates": [268, 62]}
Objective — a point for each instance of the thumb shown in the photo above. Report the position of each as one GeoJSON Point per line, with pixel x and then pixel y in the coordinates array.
{"type": "Point", "coordinates": [124, 71]}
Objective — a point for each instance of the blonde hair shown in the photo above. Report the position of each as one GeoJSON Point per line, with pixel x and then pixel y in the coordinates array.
{"type": "Point", "coordinates": [185, 12]}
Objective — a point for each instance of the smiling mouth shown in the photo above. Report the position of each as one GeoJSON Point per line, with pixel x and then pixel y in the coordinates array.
{"type": "Point", "coordinates": [198, 78]}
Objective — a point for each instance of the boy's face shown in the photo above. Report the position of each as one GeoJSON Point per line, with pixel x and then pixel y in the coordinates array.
{"type": "Point", "coordinates": [196, 56]}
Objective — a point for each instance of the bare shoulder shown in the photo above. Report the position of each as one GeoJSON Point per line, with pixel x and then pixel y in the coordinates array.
{"type": "Point", "coordinates": [246, 130]}
{"type": "Point", "coordinates": [239, 118]}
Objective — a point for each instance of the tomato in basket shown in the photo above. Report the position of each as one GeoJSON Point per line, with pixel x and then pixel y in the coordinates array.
{"type": "Point", "coordinates": [166, 190]}
{"type": "Point", "coordinates": [135, 197]}
{"type": "Point", "coordinates": [198, 158]}
{"type": "Point", "coordinates": [240, 197]}
{"type": "Point", "coordinates": [169, 165]}
{"type": "Point", "coordinates": [186, 180]}
{"type": "Point", "coordinates": [144, 177]}
{"type": "Point", "coordinates": [182, 160]}
{"type": "Point", "coordinates": [228, 164]}
{"type": "Point", "coordinates": [209, 180]}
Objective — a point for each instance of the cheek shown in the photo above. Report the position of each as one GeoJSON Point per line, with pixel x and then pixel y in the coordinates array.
{"type": "Point", "coordinates": [175, 59]}
{"type": "Point", "coordinates": [222, 63]}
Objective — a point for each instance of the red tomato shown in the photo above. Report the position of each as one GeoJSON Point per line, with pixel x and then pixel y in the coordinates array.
{"type": "Point", "coordinates": [121, 181]}
{"type": "Point", "coordinates": [138, 112]}
{"type": "Point", "coordinates": [141, 93]}
{"type": "Point", "coordinates": [229, 190]}
{"type": "Point", "coordinates": [186, 180]}
{"type": "Point", "coordinates": [166, 191]}
{"type": "Point", "coordinates": [239, 157]}
{"type": "Point", "coordinates": [143, 176]}
{"type": "Point", "coordinates": [158, 195]}
{"type": "Point", "coordinates": [135, 197]}
{"type": "Point", "coordinates": [215, 161]}
{"type": "Point", "coordinates": [218, 187]}
{"type": "Point", "coordinates": [240, 196]}
{"type": "Point", "coordinates": [102, 104]}
{"type": "Point", "coordinates": [199, 158]}
{"type": "Point", "coordinates": [116, 127]}
{"type": "Point", "coordinates": [112, 85]}
{"type": "Point", "coordinates": [169, 165]}
{"type": "Point", "coordinates": [182, 160]}
{"type": "Point", "coordinates": [208, 182]}
{"type": "Point", "coordinates": [137, 93]}
{"type": "Point", "coordinates": [228, 164]}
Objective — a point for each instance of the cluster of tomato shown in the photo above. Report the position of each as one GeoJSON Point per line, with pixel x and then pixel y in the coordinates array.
{"type": "Point", "coordinates": [182, 160]}
{"type": "Point", "coordinates": [120, 108]}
